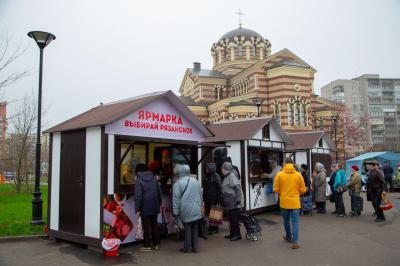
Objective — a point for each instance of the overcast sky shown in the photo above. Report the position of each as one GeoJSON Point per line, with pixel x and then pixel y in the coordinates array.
{"type": "Point", "coordinates": [111, 50]}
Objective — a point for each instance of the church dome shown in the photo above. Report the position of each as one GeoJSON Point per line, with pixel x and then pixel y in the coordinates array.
{"type": "Point", "coordinates": [241, 32]}
{"type": "Point", "coordinates": [238, 49]}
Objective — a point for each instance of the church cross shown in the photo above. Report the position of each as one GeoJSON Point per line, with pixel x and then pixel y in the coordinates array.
{"type": "Point", "coordinates": [240, 14]}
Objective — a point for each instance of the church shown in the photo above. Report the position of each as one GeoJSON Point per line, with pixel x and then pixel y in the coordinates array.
{"type": "Point", "coordinates": [247, 80]}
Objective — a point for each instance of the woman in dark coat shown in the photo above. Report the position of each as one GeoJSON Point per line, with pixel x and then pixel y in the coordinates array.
{"type": "Point", "coordinates": [212, 192]}
{"type": "Point", "coordinates": [147, 204]}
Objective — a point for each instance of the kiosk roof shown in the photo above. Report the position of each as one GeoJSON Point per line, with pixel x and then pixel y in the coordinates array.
{"type": "Point", "coordinates": [244, 129]}
{"type": "Point", "coordinates": [105, 114]}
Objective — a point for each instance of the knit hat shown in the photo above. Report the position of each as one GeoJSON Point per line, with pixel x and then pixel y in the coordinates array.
{"type": "Point", "coordinates": [355, 168]}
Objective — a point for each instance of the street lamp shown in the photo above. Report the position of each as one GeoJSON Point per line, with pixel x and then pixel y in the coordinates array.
{"type": "Point", "coordinates": [258, 102]}
{"type": "Point", "coordinates": [42, 39]}
{"type": "Point", "coordinates": [335, 116]}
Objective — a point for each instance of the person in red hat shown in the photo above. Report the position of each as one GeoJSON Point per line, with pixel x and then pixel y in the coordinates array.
{"type": "Point", "coordinates": [355, 190]}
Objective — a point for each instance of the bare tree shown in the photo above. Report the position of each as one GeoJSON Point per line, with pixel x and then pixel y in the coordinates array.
{"type": "Point", "coordinates": [7, 57]}
{"type": "Point", "coordinates": [21, 142]}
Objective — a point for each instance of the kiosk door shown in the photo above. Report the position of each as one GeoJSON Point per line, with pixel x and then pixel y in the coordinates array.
{"type": "Point", "coordinates": [72, 182]}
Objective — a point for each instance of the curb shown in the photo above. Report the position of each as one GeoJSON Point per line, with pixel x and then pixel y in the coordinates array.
{"type": "Point", "coordinates": [21, 238]}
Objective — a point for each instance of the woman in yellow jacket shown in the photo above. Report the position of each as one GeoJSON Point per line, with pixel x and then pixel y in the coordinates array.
{"type": "Point", "coordinates": [289, 185]}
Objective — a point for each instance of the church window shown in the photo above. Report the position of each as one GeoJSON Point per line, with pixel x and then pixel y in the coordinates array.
{"type": "Point", "coordinates": [254, 50]}
{"type": "Point", "coordinates": [290, 114]}
{"type": "Point", "coordinates": [240, 49]}
{"type": "Point", "coordinates": [225, 53]}
{"type": "Point", "coordinates": [303, 114]}
{"type": "Point", "coordinates": [295, 114]}
{"type": "Point", "coordinates": [278, 113]}
{"type": "Point", "coordinates": [321, 124]}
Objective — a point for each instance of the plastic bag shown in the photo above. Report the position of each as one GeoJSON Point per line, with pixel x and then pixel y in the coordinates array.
{"type": "Point", "coordinates": [386, 203]}
{"type": "Point", "coordinates": [139, 228]}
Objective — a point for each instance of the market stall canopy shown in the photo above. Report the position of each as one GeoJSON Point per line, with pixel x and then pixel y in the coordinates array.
{"type": "Point", "coordinates": [308, 140]}
{"type": "Point", "coordinates": [157, 115]}
{"type": "Point", "coordinates": [381, 157]}
{"type": "Point", "coordinates": [244, 129]}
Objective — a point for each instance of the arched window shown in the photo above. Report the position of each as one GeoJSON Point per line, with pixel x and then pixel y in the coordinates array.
{"type": "Point", "coordinates": [303, 114]}
{"type": "Point", "coordinates": [240, 50]}
{"type": "Point", "coordinates": [290, 114]}
{"type": "Point", "coordinates": [254, 50]}
{"type": "Point", "coordinates": [295, 114]}
{"type": "Point", "coordinates": [225, 53]}
{"type": "Point", "coordinates": [278, 113]}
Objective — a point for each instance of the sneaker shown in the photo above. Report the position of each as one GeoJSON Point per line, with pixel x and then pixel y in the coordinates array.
{"type": "Point", "coordinates": [145, 249]}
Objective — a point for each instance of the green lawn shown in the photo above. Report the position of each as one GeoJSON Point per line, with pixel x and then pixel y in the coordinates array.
{"type": "Point", "coordinates": [16, 211]}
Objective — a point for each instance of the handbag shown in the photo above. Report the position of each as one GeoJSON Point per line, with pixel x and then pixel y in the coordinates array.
{"type": "Point", "coordinates": [386, 203]}
{"type": "Point", "coordinates": [341, 189]}
{"type": "Point", "coordinates": [216, 213]}
{"type": "Point", "coordinates": [163, 226]}
{"type": "Point", "coordinates": [139, 229]}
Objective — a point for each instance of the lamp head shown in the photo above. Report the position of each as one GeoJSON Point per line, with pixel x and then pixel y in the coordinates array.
{"type": "Point", "coordinates": [41, 38]}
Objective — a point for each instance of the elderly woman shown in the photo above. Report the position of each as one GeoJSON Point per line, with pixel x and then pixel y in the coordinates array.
{"type": "Point", "coordinates": [232, 199]}
{"type": "Point", "coordinates": [354, 190]}
{"type": "Point", "coordinates": [186, 203]}
{"type": "Point", "coordinates": [320, 187]}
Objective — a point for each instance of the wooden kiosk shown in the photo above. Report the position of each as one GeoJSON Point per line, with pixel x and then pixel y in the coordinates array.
{"type": "Point", "coordinates": [311, 147]}
{"type": "Point", "coordinates": [252, 145]}
{"type": "Point", "coordinates": [93, 155]}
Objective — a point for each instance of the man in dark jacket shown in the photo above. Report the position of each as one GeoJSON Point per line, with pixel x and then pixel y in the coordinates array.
{"type": "Point", "coordinates": [333, 192]}
{"type": "Point", "coordinates": [147, 205]}
{"type": "Point", "coordinates": [212, 190]}
{"type": "Point", "coordinates": [376, 185]}
{"type": "Point", "coordinates": [388, 172]}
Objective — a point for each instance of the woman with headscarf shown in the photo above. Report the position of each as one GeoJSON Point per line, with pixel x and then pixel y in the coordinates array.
{"type": "Point", "coordinates": [232, 198]}
{"type": "Point", "coordinates": [340, 186]}
{"type": "Point", "coordinates": [186, 203]}
{"type": "Point", "coordinates": [212, 191]}
{"type": "Point", "coordinates": [320, 188]}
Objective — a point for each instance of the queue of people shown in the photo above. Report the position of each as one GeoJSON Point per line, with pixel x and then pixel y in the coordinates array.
{"type": "Point", "coordinates": [292, 184]}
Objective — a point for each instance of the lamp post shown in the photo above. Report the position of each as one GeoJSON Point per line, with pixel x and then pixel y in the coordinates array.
{"type": "Point", "coordinates": [42, 39]}
{"type": "Point", "coordinates": [334, 119]}
{"type": "Point", "coordinates": [258, 102]}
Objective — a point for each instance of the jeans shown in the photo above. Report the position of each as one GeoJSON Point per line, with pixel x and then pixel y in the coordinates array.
{"type": "Point", "coordinates": [291, 223]}
{"type": "Point", "coordinates": [151, 233]}
{"type": "Point", "coordinates": [340, 205]}
{"type": "Point", "coordinates": [191, 242]}
{"type": "Point", "coordinates": [233, 216]}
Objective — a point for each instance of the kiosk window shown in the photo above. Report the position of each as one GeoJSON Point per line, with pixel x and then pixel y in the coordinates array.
{"type": "Point", "coordinates": [260, 161]}
{"type": "Point", "coordinates": [134, 154]}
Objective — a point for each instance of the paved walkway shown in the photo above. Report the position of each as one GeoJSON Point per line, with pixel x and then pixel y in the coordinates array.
{"type": "Point", "coordinates": [324, 239]}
